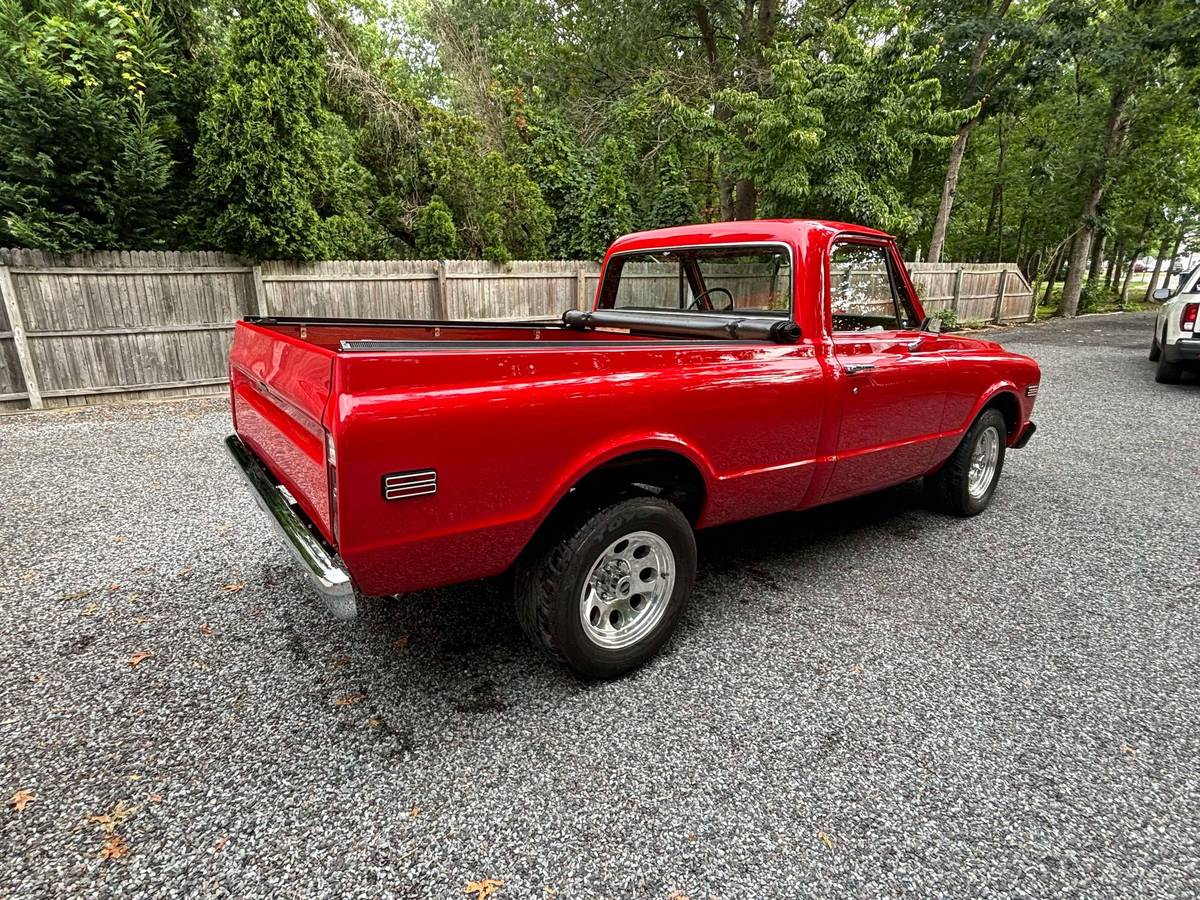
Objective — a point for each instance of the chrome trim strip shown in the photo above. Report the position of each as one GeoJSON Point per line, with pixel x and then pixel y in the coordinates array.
{"type": "Point", "coordinates": [329, 579]}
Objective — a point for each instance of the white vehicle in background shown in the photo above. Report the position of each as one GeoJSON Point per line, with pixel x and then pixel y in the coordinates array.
{"type": "Point", "coordinates": [1175, 345]}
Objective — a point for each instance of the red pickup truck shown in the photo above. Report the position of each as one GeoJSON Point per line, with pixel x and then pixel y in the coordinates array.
{"type": "Point", "coordinates": [725, 371]}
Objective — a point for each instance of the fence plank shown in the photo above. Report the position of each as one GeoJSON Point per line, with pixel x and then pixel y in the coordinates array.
{"type": "Point", "coordinates": [16, 325]}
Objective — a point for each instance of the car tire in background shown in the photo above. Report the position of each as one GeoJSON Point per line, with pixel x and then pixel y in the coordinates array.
{"type": "Point", "coordinates": [1167, 372]}
{"type": "Point", "coordinates": [965, 484]}
{"type": "Point", "coordinates": [606, 595]}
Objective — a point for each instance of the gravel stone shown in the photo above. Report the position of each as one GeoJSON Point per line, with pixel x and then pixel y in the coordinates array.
{"type": "Point", "coordinates": [868, 699]}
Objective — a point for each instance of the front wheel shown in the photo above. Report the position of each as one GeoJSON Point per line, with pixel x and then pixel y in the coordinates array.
{"type": "Point", "coordinates": [607, 595]}
{"type": "Point", "coordinates": [965, 484]}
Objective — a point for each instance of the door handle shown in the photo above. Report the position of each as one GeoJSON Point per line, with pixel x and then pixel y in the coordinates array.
{"type": "Point", "coordinates": [914, 346]}
{"type": "Point", "coordinates": [857, 368]}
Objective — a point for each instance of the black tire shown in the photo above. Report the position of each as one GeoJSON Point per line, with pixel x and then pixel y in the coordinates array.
{"type": "Point", "coordinates": [550, 582]}
{"type": "Point", "coordinates": [1155, 348]}
{"type": "Point", "coordinates": [949, 487]}
{"type": "Point", "coordinates": [1167, 372]}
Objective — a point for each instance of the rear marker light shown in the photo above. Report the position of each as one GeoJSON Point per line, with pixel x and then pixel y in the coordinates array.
{"type": "Point", "coordinates": [1187, 318]}
{"type": "Point", "coordinates": [403, 485]}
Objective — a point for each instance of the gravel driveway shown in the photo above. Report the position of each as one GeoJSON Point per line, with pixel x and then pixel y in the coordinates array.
{"type": "Point", "coordinates": [868, 699]}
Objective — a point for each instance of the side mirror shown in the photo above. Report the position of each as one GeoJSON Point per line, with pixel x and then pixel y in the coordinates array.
{"type": "Point", "coordinates": [932, 324]}
{"type": "Point", "coordinates": [1161, 294]}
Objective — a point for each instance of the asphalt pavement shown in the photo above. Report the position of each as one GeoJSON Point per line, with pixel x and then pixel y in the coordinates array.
{"type": "Point", "coordinates": [865, 700]}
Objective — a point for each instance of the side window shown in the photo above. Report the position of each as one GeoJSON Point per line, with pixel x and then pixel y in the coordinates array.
{"type": "Point", "coordinates": [863, 290]}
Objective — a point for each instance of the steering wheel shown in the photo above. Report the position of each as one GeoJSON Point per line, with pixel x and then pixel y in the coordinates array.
{"type": "Point", "coordinates": [705, 295]}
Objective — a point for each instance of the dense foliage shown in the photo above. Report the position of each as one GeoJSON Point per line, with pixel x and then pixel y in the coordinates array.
{"type": "Point", "coordinates": [1059, 133]}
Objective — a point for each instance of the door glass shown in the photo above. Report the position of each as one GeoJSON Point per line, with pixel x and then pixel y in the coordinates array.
{"type": "Point", "coordinates": [863, 292]}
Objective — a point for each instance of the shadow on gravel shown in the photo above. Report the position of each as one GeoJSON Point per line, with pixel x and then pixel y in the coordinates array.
{"type": "Point", "coordinates": [462, 650]}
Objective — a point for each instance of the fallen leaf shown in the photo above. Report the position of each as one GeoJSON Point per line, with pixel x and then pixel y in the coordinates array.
{"type": "Point", "coordinates": [114, 847]}
{"type": "Point", "coordinates": [233, 587]}
{"type": "Point", "coordinates": [110, 821]}
{"type": "Point", "coordinates": [21, 799]}
{"type": "Point", "coordinates": [206, 629]}
{"type": "Point", "coordinates": [826, 840]}
{"type": "Point", "coordinates": [39, 678]}
{"type": "Point", "coordinates": [375, 721]}
{"type": "Point", "coordinates": [401, 642]}
{"type": "Point", "coordinates": [857, 669]}
{"type": "Point", "coordinates": [119, 539]}
{"type": "Point", "coordinates": [29, 575]}
{"type": "Point", "coordinates": [155, 798]}
{"type": "Point", "coordinates": [113, 587]}
{"type": "Point", "coordinates": [141, 620]}
{"type": "Point", "coordinates": [185, 572]}
{"type": "Point", "coordinates": [677, 895]}
{"type": "Point", "coordinates": [90, 610]}
{"type": "Point", "coordinates": [140, 657]}
{"type": "Point", "coordinates": [414, 812]}
{"type": "Point", "coordinates": [483, 889]}
{"type": "Point", "coordinates": [220, 845]}
{"type": "Point", "coordinates": [1132, 751]}
{"type": "Point", "coordinates": [350, 699]}
{"type": "Point", "coordinates": [341, 662]}
{"type": "Point", "coordinates": [78, 595]}
{"type": "Point", "coordinates": [134, 776]}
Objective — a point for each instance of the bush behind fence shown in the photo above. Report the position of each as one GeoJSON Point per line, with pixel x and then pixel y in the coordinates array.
{"type": "Point", "coordinates": [94, 327]}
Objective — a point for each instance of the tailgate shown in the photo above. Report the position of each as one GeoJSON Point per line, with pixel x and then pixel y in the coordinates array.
{"type": "Point", "coordinates": [279, 388]}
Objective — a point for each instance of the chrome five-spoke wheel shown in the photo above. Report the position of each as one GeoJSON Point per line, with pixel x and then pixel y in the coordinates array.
{"type": "Point", "coordinates": [627, 590]}
{"type": "Point", "coordinates": [984, 458]}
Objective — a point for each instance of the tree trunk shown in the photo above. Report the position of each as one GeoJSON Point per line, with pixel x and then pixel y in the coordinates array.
{"type": "Point", "coordinates": [949, 186]}
{"type": "Point", "coordinates": [1114, 136]}
{"type": "Point", "coordinates": [1129, 276]}
{"type": "Point", "coordinates": [1158, 261]}
{"type": "Point", "coordinates": [1112, 274]}
{"type": "Point", "coordinates": [954, 164]}
{"type": "Point", "coordinates": [1097, 257]}
{"type": "Point", "coordinates": [1052, 274]}
{"type": "Point", "coordinates": [746, 203]}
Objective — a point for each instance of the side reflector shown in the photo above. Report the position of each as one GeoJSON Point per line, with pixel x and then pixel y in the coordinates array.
{"type": "Point", "coordinates": [403, 485]}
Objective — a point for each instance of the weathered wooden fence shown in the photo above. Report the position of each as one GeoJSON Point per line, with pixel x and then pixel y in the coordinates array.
{"type": "Point", "coordinates": [94, 327]}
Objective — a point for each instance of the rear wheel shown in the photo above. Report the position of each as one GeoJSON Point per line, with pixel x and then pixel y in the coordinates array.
{"type": "Point", "coordinates": [965, 484]}
{"type": "Point", "coordinates": [607, 595]}
{"type": "Point", "coordinates": [1167, 372]}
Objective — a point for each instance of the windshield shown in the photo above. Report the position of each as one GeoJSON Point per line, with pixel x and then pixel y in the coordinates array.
{"type": "Point", "coordinates": [741, 280]}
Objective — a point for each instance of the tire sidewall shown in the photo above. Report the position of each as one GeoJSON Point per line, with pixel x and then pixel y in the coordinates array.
{"type": "Point", "coordinates": [990, 419]}
{"type": "Point", "coordinates": [651, 515]}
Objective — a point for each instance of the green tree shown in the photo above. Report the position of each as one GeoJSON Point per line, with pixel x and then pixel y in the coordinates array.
{"type": "Point", "coordinates": [434, 231]}
{"type": "Point", "coordinates": [608, 212]}
{"type": "Point", "coordinates": [84, 125]}
{"type": "Point", "coordinates": [275, 173]}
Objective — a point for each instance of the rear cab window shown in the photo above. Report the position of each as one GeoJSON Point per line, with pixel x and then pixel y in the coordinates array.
{"type": "Point", "coordinates": [737, 280]}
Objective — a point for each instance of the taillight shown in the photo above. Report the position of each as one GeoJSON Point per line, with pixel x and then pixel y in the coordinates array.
{"type": "Point", "coordinates": [331, 471]}
{"type": "Point", "coordinates": [1187, 318]}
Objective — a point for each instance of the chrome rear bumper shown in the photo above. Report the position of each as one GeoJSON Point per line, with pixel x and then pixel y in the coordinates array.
{"type": "Point", "coordinates": [330, 580]}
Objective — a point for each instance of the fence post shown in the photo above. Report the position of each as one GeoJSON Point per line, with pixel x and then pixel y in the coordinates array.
{"type": "Point", "coordinates": [20, 341]}
{"type": "Point", "coordinates": [580, 289]}
{"type": "Point", "coordinates": [260, 294]}
{"type": "Point", "coordinates": [954, 301]}
{"type": "Point", "coordinates": [440, 304]}
{"type": "Point", "coordinates": [1000, 297]}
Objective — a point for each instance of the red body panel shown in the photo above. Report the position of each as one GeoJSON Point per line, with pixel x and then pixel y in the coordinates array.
{"type": "Point", "coordinates": [510, 430]}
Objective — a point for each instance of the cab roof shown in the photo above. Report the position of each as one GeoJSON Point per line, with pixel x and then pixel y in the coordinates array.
{"type": "Point", "coordinates": [791, 231]}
